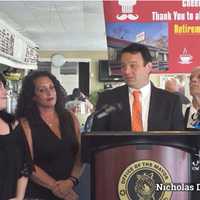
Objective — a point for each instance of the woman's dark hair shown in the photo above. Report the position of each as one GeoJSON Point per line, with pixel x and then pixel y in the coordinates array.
{"type": "Point", "coordinates": [138, 48]}
{"type": "Point", "coordinates": [3, 79]}
{"type": "Point", "coordinates": [26, 107]}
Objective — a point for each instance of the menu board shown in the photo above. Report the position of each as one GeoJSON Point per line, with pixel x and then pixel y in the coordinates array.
{"type": "Point", "coordinates": [31, 55]}
{"type": "Point", "coordinates": [16, 47]}
{"type": "Point", "coordinates": [6, 41]}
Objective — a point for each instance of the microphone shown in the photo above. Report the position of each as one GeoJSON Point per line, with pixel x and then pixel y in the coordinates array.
{"type": "Point", "coordinates": [107, 109]}
{"type": "Point", "coordinates": [102, 112]}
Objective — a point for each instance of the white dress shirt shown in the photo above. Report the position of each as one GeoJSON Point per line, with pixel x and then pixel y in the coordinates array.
{"type": "Point", "coordinates": [145, 99]}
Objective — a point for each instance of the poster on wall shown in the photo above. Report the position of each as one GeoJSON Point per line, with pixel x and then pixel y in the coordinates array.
{"type": "Point", "coordinates": [170, 29]}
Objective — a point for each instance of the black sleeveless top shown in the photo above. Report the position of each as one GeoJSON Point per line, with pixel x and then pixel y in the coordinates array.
{"type": "Point", "coordinates": [54, 155]}
{"type": "Point", "coordinates": [15, 161]}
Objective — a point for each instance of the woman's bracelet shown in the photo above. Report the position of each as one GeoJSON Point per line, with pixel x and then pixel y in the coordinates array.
{"type": "Point", "coordinates": [74, 180]}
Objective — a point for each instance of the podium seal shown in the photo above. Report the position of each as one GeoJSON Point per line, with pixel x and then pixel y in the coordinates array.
{"type": "Point", "coordinates": [138, 181]}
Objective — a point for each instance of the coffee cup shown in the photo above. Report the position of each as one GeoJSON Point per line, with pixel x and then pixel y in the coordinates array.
{"type": "Point", "coordinates": [185, 58]}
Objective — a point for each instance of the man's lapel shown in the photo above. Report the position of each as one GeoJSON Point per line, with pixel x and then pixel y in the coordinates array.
{"type": "Point", "coordinates": [125, 114]}
{"type": "Point", "coordinates": [152, 106]}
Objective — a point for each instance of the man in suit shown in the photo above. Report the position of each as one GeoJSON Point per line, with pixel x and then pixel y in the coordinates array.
{"type": "Point", "coordinates": [161, 110]}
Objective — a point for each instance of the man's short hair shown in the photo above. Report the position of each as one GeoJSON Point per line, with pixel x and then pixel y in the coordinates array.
{"type": "Point", "coordinates": [134, 48]}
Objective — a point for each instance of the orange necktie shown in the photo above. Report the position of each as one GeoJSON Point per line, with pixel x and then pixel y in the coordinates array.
{"type": "Point", "coordinates": [137, 112]}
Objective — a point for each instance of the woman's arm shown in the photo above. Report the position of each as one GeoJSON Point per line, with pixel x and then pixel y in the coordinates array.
{"type": "Point", "coordinates": [40, 177]}
{"type": "Point", "coordinates": [21, 187]}
{"type": "Point", "coordinates": [78, 167]}
{"type": "Point", "coordinates": [65, 186]}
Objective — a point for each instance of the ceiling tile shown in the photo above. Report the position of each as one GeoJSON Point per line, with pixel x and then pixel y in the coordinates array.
{"type": "Point", "coordinates": [59, 25]}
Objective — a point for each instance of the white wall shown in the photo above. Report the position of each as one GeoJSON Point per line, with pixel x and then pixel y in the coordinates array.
{"type": "Point", "coordinates": [69, 82]}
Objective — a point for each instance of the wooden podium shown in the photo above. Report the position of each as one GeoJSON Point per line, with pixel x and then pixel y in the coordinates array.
{"type": "Point", "coordinates": [127, 166]}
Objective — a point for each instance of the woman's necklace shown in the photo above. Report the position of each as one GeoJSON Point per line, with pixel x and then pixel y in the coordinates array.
{"type": "Point", "coordinates": [49, 124]}
{"type": "Point", "coordinates": [50, 120]}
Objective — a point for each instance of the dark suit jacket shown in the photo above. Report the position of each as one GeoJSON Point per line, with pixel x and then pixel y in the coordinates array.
{"type": "Point", "coordinates": [165, 111]}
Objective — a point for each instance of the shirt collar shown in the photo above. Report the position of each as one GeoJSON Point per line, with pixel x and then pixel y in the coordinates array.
{"type": "Point", "coordinates": [144, 90]}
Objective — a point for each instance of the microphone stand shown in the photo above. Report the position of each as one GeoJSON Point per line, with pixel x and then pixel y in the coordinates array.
{"type": "Point", "coordinates": [90, 119]}
{"type": "Point", "coordinates": [101, 113]}
{"type": "Point", "coordinates": [89, 122]}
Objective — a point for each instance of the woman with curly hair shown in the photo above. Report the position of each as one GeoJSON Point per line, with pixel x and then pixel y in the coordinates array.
{"type": "Point", "coordinates": [15, 162]}
{"type": "Point", "coordinates": [54, 137]}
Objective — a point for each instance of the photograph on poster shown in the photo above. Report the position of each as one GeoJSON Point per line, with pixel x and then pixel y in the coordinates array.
{"type": "Point", "coordinates": [154, 35]}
